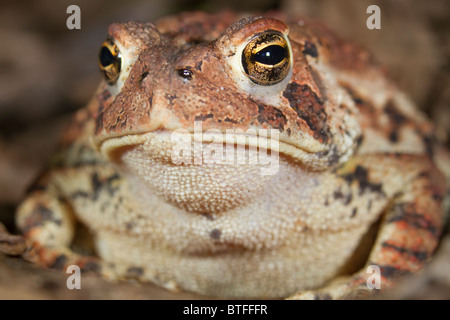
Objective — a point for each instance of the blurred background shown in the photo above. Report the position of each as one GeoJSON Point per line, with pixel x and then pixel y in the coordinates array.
{"type": "Point", "coordinates": [48, 71]}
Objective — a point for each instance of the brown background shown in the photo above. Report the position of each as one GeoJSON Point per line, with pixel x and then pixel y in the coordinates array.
{"type": "Point", "coordinates": [48, 71]}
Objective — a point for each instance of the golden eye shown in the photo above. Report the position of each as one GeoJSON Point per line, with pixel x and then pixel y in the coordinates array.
{"type": "Point", "coordinates": [109, 60]}
{"type": "Point", "coordinates": [265, 59]}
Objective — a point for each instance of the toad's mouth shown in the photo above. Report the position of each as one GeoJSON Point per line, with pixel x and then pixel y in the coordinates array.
{"type": "Point", "coordinates": [270, 144]}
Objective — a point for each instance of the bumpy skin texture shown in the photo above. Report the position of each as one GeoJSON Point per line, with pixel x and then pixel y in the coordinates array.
{"type": "Point", "coordinates": [360, 179]}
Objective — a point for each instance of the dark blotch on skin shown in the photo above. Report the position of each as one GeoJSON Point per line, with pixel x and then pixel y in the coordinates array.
{"type": "Point", "coordinates": [419, 255]}
{"type": "Point", "coordinates": [40, 215]}
{"type": "Point", "coordinates": [359, 141]}
{"type": "Point", "coordinates": [391, 272]}
{"type": "Point", "coordinates": [79, 194]}
{"type": "Point", "coordinates": [135, 271]}
{"type": "Point", "coordinates": [356, 99]}
{"type": "Point", "coordinates": [354, 212]}
{"type": "Point", "coordinates": [437, 196]}
{"type": "Point", "coordinates": [273, 116]}
{"type": "Point", "coordinates": [199, 65]}
{"type": "Point", "coordinates": [423, 174]}
{"type": "Point", "coordinates": [47, 215]}
{"type": "Point", "coordinates": [171, 97]}
{"type": "Point", "coordinates": [322, 154]}
{"type": "Point", "coordinates": [310, 49]}
{"type": "Point", "coordinates": [208, 217]}
{"type": "Point", "coordinates": [397, 120]}
{"type": "Point", "coordinates": [361, 175]}
{"type": "Point", "coordinates": [406, 213]}
{"type": "Point", "coordinates": [393, 136]}
{"type": "Point", "coordinates": [91, 266]}
{"type": "Point", "coordinates": [395, 116]}
{"type": "Point", "coordinates": [203, 117]}
{"type": "Point", "coordinates": [310, 108]}
{"type": "Point", "coordinates": [338, 194]}
{"type": "Point", "coordinates": [109, 182]}
{"type": "Point", "coordinates": [129, 225]}
{"type": "Point", "coordinates": [59, 262]}
{"type": "Point", "coordinates": [333, 155]}
{"type": "Point", "coordinates": [150, 101]}
{"type": "Point", "coordinates": [98, 184]}
{"type": "Point", "coordinates": [348, 199]}
{"type": "Point", "coordinates": [230, 120]}
{"type": "Point", "coordinates": [429, 145]}
{"type": "Point", "coordinates": [215, 234]}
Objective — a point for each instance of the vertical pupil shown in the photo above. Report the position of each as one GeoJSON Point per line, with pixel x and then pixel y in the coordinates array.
{"type": "Point", "coordinates": [271, 55]}
{"type": "Point", "coordinates": [106, 57]}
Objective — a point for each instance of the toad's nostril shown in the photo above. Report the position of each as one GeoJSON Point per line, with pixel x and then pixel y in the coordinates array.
{"type": "Point", "coordinates": [143, 76]}
{"type": "Point", "coordinates": [185, 73]}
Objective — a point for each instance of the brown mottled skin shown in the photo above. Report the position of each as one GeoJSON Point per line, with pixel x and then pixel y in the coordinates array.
{"type": "Point", "coordinates": [361, 178]}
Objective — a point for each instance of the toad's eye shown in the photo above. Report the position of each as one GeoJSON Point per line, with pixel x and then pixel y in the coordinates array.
{"type": "Point", "coordinates": [265, 59]}
{"type": "Point", "coordinates": [109, 60]}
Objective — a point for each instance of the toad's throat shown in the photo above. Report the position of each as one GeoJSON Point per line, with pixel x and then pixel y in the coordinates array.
{"type": "Point", "coordinates": [204, 176]}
